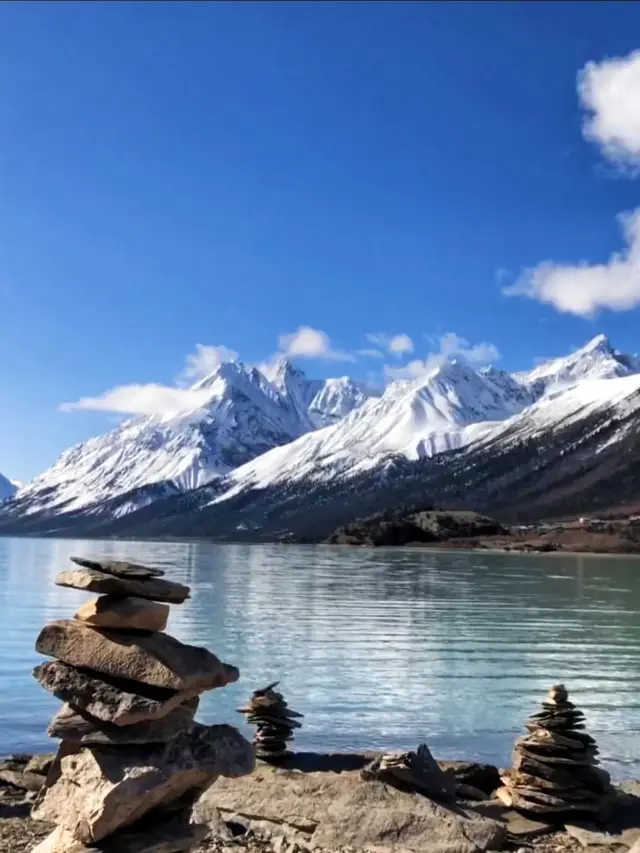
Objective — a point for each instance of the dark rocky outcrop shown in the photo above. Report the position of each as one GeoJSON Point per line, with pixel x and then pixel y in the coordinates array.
{"type": "Point", "coordinates": [405, 526]}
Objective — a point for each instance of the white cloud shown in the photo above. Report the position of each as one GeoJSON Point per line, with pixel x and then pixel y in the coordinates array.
{"type": "Point", "coordinates": [370, 353]}
{"type": "Point", "coordinates": [450, 345]}
{"type": "Point", "coordinates": [306, 342]}
{"type": "Point", "coordinates": [150, 399]}
{"type": "Point", "coordinates": [609, 91]}
{"type": "Point", "coordinates": [400, 344]}
{"type": "Point", "coordinates": [583, 289]}
{"type": "Point", "coordinates": [394, 344]}
{"type": "Point", "coordinates": [204, 360]}
{"type": "Point", "coordinates": [155, 399]}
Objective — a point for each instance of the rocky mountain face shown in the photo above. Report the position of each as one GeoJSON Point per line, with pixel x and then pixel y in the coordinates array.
{"type": "Point", "coordinates": [518, 445]}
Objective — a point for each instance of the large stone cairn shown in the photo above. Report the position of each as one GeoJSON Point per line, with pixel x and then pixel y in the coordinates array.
{"type": "Point", "coordinates": [131, 760]}
{"type": "Point", "coordinates": [275, 721]}
{"type": "Point", "coordinates": [555, 765]}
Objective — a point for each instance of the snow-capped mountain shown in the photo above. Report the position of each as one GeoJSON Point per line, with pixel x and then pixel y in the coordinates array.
{"type": "Point", "coordinates": [238, 414]}
{"type": "Point", "coordinates": [261, 437]}
{"type": "Point", "coordinates": [449, 408]}
{"type": "Point", "coordinates": [7, 488]}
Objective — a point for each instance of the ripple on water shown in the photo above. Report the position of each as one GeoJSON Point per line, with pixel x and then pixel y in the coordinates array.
{"type": "Point", "coordinates": [378, 648]}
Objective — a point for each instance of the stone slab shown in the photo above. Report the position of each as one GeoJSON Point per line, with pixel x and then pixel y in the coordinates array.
{"type": "Point", "coordinates": [150, 658]}
{"type": "Point", "coordinates": [96, 792]}
{"type": "Point", "coordinates": [110, 611]}
{"type": "Point", "coordinates": [110, 700]}
{"type": "Point", "coordinates": [78, 727]}
{"type": "Point", "coordinates": [340, 810]}
{"type": "Point", "coordinates": [121, 568]}
{"type": "Point", "coordinates": [155, 589]}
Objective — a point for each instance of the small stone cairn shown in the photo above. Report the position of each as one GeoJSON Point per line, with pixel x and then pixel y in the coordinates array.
{"type": "Point", "coordinates": [415, 771]}
{"type": "Point", "coordinates": [554, 767]}
{"type": "Point", "coordinates": [268, 710]}
{"type": "Point", "coordinates": [132, 761]}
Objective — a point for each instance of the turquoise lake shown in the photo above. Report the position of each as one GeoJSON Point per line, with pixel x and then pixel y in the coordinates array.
{"type": "Point", "coordinates": [377, 648]}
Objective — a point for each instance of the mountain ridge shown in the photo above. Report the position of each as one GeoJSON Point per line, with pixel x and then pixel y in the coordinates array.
{"type": "Point", "coordinates": [448, 417]}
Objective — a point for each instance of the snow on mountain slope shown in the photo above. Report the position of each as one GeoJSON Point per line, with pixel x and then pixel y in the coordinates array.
{"type": "Point", "coordinates": [451, 407]}
{"type": "Point", "coordinates": [322, 401]}
{"type": "Point", "coordinates": [242, 415]}
{"type": "Point", "coordinates": [596, 360]}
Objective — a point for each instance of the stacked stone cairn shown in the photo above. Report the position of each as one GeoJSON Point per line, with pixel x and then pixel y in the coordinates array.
{"type": "Point", "coordinates": [268, 710]}
{"type": "Point", "coordinates": [131, 761]}
{"type": "Point", "coordinates": [414, 771]}
{"type": "Point", "coordinates": [555, 765]}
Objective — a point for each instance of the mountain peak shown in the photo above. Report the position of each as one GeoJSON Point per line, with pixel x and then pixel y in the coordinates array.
{"type": "Point", "coordinates": [600, 343]}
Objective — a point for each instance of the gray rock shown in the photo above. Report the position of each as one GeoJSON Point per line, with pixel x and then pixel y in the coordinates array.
{"type": "Point", "coordinates": [40, 763]}
{"type": "Point", "coordinates": [155, 589]}
{"type": "Point", "coordinates": [338, 810]}
{"type": "Point", "coordinates": [22, 780]}
{"type": "Point", "coordinates": [590, 835]}
{"type": "Point", "coordinates": [109, 700]}
{"type": "Point", "coordinates": [96, 792]}
{"type": "Point", "coordinates": [119, 568]}
{"type": "Point", "coordinates": [79, 727]}
{"type": "Point", "coordinates": [162, 836]}
{"type": "Point", "coordinates": [150, 658]}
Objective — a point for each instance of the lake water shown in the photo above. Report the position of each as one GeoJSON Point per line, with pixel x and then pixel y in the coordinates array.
{"type": "Point", "coordinates": [378, 648]}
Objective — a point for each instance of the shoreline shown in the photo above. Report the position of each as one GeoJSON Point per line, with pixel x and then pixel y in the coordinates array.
{"type": "Point", "coordinates": [321, 802]}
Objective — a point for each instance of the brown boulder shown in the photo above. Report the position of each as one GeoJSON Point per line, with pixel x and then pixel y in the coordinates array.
{"type": "Point", "coordinates": [111, 700]}
{"type": "Point", "coordinates": [95, 792]}
{"type": "Point", "coordinates": [152, 658]}
{"type": "Point", "coordinates": [110, 611]}
{"type": "Point", "coordinates": [79, 727]}
{"type": "Point", "coordinates": [156, 589]}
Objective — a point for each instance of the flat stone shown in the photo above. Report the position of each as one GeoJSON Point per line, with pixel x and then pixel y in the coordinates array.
{"type": "Point", "coordinates": [40, 763]}
{"type": "Point", "coordinates": [112, 700]}
{"type": "Point", "coordinates": [155, 589]}
{"type": "Point", "coordinates": [161, 836]}
{"type": "Point", "coordinates": [120, 568]}
{"type": "Point", "coordinates": [79, 727]}
{"type": "Point", "coordinates": [526, 780]}
{"type": "Point", "coordinates": [340, 810]}
{"type": "Point", "coordinates": [22, 780]}
{"type": "Point", "coordinates": [589, 835]}
{"type": "Point", "coordinates": [518, 826]}
{"type": "Point", "coordinates": [96, 792]}
{"type": "Point", "coordinates": [110, 611]}
{"type": "Point", "coordinates": [569, 759]}
{"type": "Point", "coordinates": [513, 798]}
{"type": "Point", "coordinates": [150, 658]}
{"type": "Point", "coordinates": [545, 737]}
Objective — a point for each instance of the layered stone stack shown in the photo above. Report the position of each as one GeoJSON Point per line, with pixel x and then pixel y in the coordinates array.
{"type": "Point", "coordinates": [132, 759]}
{"type": "Point", "coordinates": [412, 771]}
{"type": "Point", "coordinates": [555, 765]}
{"type": "Point", "coordinates": [268, 710]}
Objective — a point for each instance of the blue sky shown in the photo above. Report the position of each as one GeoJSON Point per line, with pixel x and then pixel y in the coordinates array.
{"type": "Point", "coordinates": [225, 174]}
